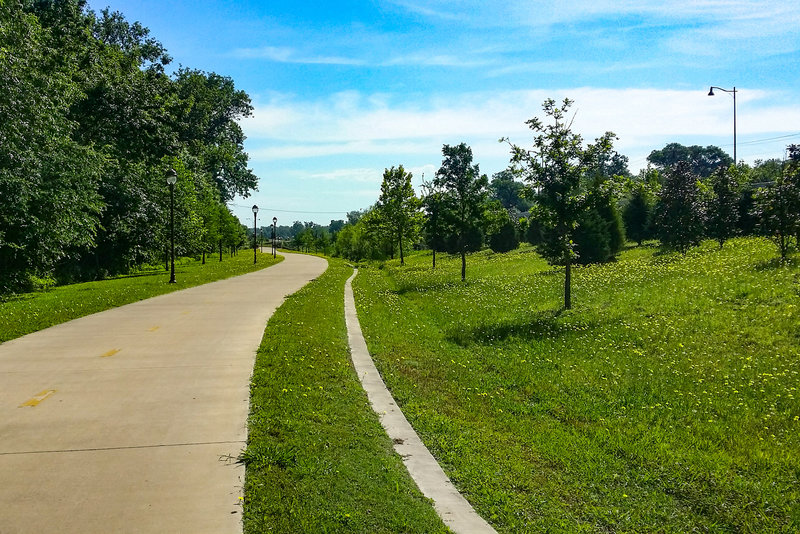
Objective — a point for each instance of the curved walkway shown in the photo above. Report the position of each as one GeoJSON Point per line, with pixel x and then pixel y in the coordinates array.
{"type": "Point", "coordinates": [130, 420]}
{"type": "Point", "coordinates": [451, 506]}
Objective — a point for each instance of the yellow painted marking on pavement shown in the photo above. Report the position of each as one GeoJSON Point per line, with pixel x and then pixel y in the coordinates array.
{"type": "Point", "coordinates": [110, 353]}
{"type": "Point", "coordinates": [153, 328]}
{"type": "Point", "coordinates": [39, 397]}
{"type": "Point", "coordinates": [186, 312]}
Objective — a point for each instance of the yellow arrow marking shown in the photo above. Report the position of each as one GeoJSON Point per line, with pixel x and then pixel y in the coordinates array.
{"type": "Point", "coordinates": [39, 397]}
{"type": "Point", "coordinates": [153, 329]}
{"type": "Point", "coordinates": [110, 353]}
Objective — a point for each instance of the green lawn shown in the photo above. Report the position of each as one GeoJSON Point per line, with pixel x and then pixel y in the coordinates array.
{"type": "Point", "coordinates": [318, 460]}
{"type": "Point", "coordinates": [30, 312]}
{"type": "Point", "coordinates": [665, 401]}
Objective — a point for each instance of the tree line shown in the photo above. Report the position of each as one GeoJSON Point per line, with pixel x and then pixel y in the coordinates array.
{"type": "Point", "coordinates": [89, 124]}
{"type": "Point", "coordinates": [577, 202]}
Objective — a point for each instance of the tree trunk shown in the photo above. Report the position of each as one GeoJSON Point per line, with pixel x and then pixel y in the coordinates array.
{"type": "Point", "coordinates": [204, 257]}
{"type": "Point", "coordinates": [220, 250]}
{"type": "Point", "coordinates": [463, 265]}
{"type": "Point", "coordinates": [568, 286]}
{"type": "Point", "coordinates": [434, 257]}
{"type": "Point", "coordinates": [401, 249]}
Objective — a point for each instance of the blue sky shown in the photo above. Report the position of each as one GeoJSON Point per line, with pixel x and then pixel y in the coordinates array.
{"type": "Point", "coordinates": [344, 89]}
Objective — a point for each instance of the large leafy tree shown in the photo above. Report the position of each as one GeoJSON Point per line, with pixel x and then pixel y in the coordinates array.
{"type": "Point", "coordinates": [559, 168]}
{"type": "Point", "coordinates": [399, 206]}
{"type": "Point", "coordinates": [679, 210]}
{"type": "Point", "coordinates": [464, 191]}
{"type": "Point", "coordinates": [702, 161]}
{"type": "Point", "coordinates": [433, 224]}
{"type": "Point", "coordinates": [50, 208]}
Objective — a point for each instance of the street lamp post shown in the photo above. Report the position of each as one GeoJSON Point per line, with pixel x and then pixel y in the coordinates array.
{"type": "Point", "coordinates": [731, 92]}
{"type": "Point", "coordinates": [172, 177]}
{"type": "Point", "coordinates": [255, 236]}
{"type": "Point", "coordinates": [274, 236]}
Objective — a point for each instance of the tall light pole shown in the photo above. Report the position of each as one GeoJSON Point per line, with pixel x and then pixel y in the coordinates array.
{"type": "Point", "coordinates": [255, 234]}
{"type": "Point", "coordinates": [731, 92]}
{"type": "Point", "coordinates": [172, 177]}
{"type": "Point", "coordinates": [274, 236]}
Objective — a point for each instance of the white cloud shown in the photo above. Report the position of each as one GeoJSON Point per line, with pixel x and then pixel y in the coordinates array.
{"type": "Point", "coordinates": [280, 54]}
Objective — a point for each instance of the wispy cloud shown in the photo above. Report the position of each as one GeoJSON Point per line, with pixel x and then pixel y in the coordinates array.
{"type": "Point", "coordinates": [355, 125]}
{"type": "Point", "coordinates": [290, 55]}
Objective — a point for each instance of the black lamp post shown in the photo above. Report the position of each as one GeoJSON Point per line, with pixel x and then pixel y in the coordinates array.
{"type": "Point", "coordinates": [172, 177]}
{"type": "Point", "coordinates": [732, 92]}
{"type": "Point", "coordinates": [274, 236]}
{"type": "Point", "coordinates": [255, 234]}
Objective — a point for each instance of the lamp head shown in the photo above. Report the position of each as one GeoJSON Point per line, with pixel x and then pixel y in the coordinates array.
{"type": "Point", "coordinates": [255, 209]}
{"type": "Point", "coordinates": [711, 91]}
{"type": "Point", "coordinates": [274, 220]}
{"type": "Point", "coordinates": [172, 176]}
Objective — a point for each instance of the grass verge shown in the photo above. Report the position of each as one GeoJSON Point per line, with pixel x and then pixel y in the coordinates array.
{"type": "Point", "coordinates": [665, 401]}
{"type": "Point", "coordinates": [317, 458]}
{"type": "Point", "coordinates": [30, 312]}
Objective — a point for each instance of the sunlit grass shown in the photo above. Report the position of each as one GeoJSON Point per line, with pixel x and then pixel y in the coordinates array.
{"type": "Point", "coordinates": [665, 401]}
{"type": "Point", "coordinates": [30, 312]}
{"type": "Point", "coordinates": [317, 458]}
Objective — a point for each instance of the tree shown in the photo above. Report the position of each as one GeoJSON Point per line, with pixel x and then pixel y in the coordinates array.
{"type": "Point", "coordinates": [433, 224]}
{"type": "Point", "coordinates": [558, 168]}
{"type": "Point", "coordinates": [509, 191]}
{"type": "Point", "coordinates": [778, 206]}
{"type": "Point", "coordinates": [679, 210]}
{"type": "Point", "coordinates": [398, 206]}
{"type": "Point", "coordinates": [702, 161]}
{"type": "Point", "coordinates": [464, 191]}
{"type": "Point", "coordinates": [637, 212]}
{"type": "Point", "coordinates": [723, 206]}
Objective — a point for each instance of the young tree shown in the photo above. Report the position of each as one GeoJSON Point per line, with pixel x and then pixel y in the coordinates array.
{"type": "Point", "coordinates": [398, 205]}
{"type": "Point", "coordinates": [778, 206]}
{"type": "Point", "coordinates": [464, 192]}
{"type": "Point", "coordinates": [679, 210]}
{"type": "Point", "coordinates": [638, 212]}
{"type": "Point", "coordinates": [723, 206]}
{"type": "Point", "coordinates": [557, 167]}
{"type": "Point", "coordinates": [433, 224]}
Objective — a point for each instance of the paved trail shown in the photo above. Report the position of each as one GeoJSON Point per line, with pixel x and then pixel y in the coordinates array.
{"type": "Point", "coordinates": [128, 420]}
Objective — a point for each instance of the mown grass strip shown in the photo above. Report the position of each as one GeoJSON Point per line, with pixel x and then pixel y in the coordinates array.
{"type": "Point", "coordinates": [665, 401]}
{"type": "Point", "coordinates": [317, 458]}
{"type": "Point", "coordinates": [23, 314]}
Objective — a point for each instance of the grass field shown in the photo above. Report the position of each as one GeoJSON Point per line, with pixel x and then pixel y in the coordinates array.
{"type": "Point", "coordinates": [665, 401]}
{"type": "Point", "coordinates": [23, 314]}
{"type": "Point", "coordinates": [317, 458]}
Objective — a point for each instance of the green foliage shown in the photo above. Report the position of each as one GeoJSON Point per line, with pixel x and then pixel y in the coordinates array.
{"type": "Point", "coordinates": [317, 457]}
{"type": "Point", "coordinates": [560, 170]}
{"type": "Point", "coordinates": [398, 206]}
{"type": "Point", "coordinates": [666, 401]}
{"type": "Point", "coordinates": [637, 212]}
{"type": "Point", "coordinates": [89, 123]}
{"type": "Point", "coordinates": [506, 238]}
{"type": "Point", "coordinates": [679, 210]}
{"type": "Point", "coordinates": [702, 161]}
{"type": "Point", "coordinates": [510, 192]}
{"type": "Point", "coordinates": [722, 210]}
{"type": "Point", "coordinates": [778, 207]}
{"type": "Point", "coordinates": [464, 190]}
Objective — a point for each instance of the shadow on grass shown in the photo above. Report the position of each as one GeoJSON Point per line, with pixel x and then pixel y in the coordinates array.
{"type": "Point", "coordinates": [540, 325]}
{"type": "Point", "coordinates": [775, 263]}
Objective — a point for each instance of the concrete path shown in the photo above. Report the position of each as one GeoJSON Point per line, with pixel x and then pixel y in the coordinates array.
{"type": "Point", "coordinates": [451, 506]}
{"type": "Point", "coordinates": [130, 420]}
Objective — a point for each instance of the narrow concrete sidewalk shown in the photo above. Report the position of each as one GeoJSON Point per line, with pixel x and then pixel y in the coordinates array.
{"type": "Point", "coordinates": [130, 420]}
{"type": "Point", "coordinates": [431, 480]}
